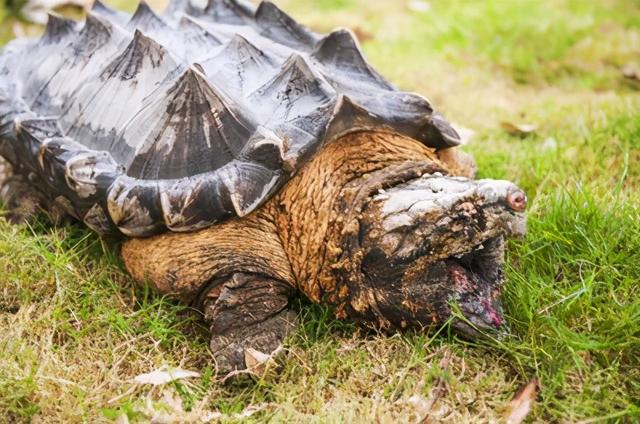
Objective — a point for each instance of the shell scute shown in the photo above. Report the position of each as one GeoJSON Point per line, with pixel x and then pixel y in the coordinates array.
{"type": "Point", "coordinates": [52, 77]}
{"type": "Point", "coordinates": [227, 11]}
{"type": "Point", "coordinates": [273, 23]}
{"type": "Point", "coordinates": [104, 11]}
{"type": "Point", "coordinates": [239, 65]}
{"type": "Point", "coordinates": [340, 53]}
{"type": "Point", "coordinates": [197, 40]}
{"type": "Point", "coordinates": [294, 92]}
{"type": "Point", "coordinates": [30, 131]}
{"type": "Point", "coordinates": [58, 29]}
{"type": "Point", "coordinates": [134, 207]}
{"type": "Point", "coordinates": [194, 109]}
{"type": "Point", "coordinates": [145, 19]}
{"type": "Point", "coordinates": [176, 121]}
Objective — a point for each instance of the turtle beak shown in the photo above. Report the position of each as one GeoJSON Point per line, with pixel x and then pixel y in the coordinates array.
{"type": "Point", "coordinates": [482, 318]}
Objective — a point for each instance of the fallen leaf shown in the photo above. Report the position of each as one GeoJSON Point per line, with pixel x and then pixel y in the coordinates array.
{"type": "Point", "coordinates": [254, 358]}
{"type": "Point", "coordinates": [246, 413]}
{"type": "Point", "coordinates": [167, 410]}
{"type": "Point", "coordinates": [5, 168]}
{"type": "Point", "coordinates": [250, 410]}
{"type": "Point", "coordinates": [518, 129]}
{"type": "Point", "coordinates": [164, 376]}
{"type": "Point", "coordinates": [521, 404]}
{"type": "Point", "coordinates": [212, 416]}
{"type": "Point", "coordinates": [419, 6]}
{"type": "Point", "coordinates": [259, 363]}
{"type": "Point", "coordinates": [420, 404]}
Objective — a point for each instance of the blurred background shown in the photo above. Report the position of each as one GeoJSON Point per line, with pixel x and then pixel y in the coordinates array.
{"type": "Point", "coordinates": [545, 93]}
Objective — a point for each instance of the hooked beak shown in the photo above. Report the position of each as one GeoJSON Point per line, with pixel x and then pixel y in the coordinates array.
{"type": "Point", "coordinates": [489, 321]}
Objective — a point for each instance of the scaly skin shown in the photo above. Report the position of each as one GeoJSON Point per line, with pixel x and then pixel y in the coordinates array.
{"type": "Point", "coordinates": [332, 232]}
{"type": "Point", "coordinates": [144, 124]}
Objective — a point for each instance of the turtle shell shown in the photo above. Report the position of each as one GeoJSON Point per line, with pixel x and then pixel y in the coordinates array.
{"type": "Point", "coordinates": [147, 123]}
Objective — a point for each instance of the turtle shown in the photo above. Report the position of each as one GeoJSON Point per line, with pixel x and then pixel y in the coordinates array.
{"type": "Point", "coordinates": [243, 158]}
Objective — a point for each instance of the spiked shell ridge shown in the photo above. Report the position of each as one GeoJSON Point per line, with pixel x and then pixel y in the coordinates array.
{"type": "Point", "coordinates": [147, 123]}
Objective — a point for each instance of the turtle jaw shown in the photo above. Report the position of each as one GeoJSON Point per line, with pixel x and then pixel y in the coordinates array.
{"type": "Point", "coordinates": [476, 278]}
{"type": "Point", "coordinates": [433, 247]}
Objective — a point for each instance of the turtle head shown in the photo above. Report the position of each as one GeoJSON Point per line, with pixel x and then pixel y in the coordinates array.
{"type": "Point", "coordinates": [435, 245]}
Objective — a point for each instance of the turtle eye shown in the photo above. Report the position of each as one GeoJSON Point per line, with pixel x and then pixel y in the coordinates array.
{"type": "Point", "coordinates": [517, 200]}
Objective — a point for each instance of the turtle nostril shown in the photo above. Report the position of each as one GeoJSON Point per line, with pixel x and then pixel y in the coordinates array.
{"type": "Point", "coordinates": [517, 200]}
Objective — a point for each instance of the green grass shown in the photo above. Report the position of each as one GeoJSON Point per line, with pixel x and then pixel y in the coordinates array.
{"type": "Point", "coordinates": [76, 330]}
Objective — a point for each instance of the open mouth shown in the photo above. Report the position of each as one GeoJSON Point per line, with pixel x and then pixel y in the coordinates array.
{"type": "Point", "coordinates": [476, 276]}
{"type": "Point", "coordinates": [480, 265]}
{"type": "Point", "coordinates": [431, 250]}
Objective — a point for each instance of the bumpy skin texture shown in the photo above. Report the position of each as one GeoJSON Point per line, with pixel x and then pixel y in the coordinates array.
{"type": "Point", "coordinates": [318, 174]}
{"type": "Point", "coordinates": [375, 225]}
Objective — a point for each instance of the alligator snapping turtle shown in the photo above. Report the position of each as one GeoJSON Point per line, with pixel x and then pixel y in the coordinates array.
{"type": "Point", "coordinates": [244, 157]}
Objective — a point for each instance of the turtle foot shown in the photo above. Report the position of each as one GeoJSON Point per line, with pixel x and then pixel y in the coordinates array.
{"type": "Point", "coordinates": [248, 315]}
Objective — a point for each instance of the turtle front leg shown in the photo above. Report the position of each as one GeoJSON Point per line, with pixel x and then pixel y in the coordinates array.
{"type": "Point", "coordinates": [236, 273]}
{"type": "Point", "coordinates": [247, 311]}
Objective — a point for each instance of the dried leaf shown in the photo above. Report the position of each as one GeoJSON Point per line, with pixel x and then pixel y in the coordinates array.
{"type": "Point", "coordinates": [630, 72]}
{"type": "Point", "coordinates": [254, 358]}
{"type": "Point", "coordinates": [250, 410]}
{"type": "Point", "coordinates": [420, 404]}
{"type": "Point", "coordinates": [212, 416]}
{"type": "Point", "coordinates": [419, 6]}
{"type": "Point", "coordinates": [164, 376]}
{"type": "Point", "coordinates": [518, 129]}
{"type": "Point", "coordinates": [521, 404]}
{"type": "Point", "coordinates": [246, 413]}
{"type": "Point", "coordinates": [170, 408]}
{"type": "Point", "coordinates": [259, 363]}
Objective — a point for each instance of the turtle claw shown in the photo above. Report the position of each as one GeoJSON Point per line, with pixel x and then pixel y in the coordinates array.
{"type": "Point", "coordinates": [248, 313]}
